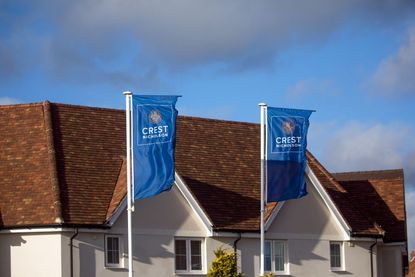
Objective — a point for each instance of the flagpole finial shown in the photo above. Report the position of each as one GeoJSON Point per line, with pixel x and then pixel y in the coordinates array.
{"type": "Point", "coordinates": [262, 104]}
{"type": "Point", "coordinates": [127, 92]}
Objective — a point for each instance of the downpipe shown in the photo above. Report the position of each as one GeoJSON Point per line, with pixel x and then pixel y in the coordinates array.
{"type": "Point", "coordinates": [371, 258]}
{"type": "Point", "coordinates": [235, 244]}
{"type": "Point", "coordinates": [71, 249]}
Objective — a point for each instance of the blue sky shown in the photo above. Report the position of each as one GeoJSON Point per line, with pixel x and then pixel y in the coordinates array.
{"type": "Point", "coordinates": [352, 61]}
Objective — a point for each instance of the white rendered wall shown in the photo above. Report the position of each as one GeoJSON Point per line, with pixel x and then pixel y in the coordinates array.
{"type": "Point", "coordinates": [34, 254]}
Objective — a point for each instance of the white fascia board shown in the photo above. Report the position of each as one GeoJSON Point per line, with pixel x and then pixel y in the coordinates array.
{"type": "Point", "coordinates": [32, 230]}
{"type": "Point", "coordinates": [120, 209]}
{"type": "Point", "coordinates": [344, 226]}
{"type": "Point", "coordinates": [51, 230]}
{"type": "Point", "coordinates": [282, 236]}
{"type": "Point", "coordinates": [365, 239]}
{"type": "Point", "coordinates": [193, 204]}
{"type": "Point", "coordinates": [273, 215]}
{"type": "Point", "coordinates": [236, 235]}
{"type": "Point", "coordinates": [393, 243]}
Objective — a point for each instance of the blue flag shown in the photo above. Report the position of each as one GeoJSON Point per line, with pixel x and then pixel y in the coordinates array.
{"type": "Point", "coordinates": [154, 139]}
{"type": "Point", "coordinates": [286, 148]}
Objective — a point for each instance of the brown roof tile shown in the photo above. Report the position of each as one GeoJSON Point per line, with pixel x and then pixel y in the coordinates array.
{"type": "Point", "coordinates": [28, 192]}
{"type": "Point", "coordinates": [120, 190]}
{"type": "Point", "coordinates": [90, 144]}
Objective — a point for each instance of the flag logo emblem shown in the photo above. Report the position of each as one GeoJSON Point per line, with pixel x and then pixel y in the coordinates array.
{"type": "Point", "coordinates": [288, 126]}
{"type": "Point", "coordinates": [155, 117]}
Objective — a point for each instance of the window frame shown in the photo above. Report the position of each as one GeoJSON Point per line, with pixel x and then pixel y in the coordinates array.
{"type": "Point", "coordinates": [189, 269]}
{"type": "Point", "coordinates": [341, 251]}
{"type": "Point", "coordinates": [286, 270]}
{"type": "Point", "coordinates": [120, 263]}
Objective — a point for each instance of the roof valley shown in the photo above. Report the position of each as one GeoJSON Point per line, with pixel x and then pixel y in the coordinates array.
{"type": "Point", "coordinates": [48, 124]}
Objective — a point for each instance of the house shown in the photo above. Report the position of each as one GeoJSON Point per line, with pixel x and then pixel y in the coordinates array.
{"type": "Point", "coordinates": [63, 206]}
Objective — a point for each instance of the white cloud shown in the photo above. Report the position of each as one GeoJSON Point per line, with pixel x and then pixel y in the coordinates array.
{"type": "Point", "coordinates": [311, 87]}
{"type": "Point", "coordinates": [395, 74]}
{"type": "Point", "coordinates": [8, 101]}
{"type": "Point", "coordinates": [358, 146]}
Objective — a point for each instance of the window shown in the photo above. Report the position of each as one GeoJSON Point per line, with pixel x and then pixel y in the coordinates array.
{"type": "Point", "coordinates": [336, 255]}
{"type": "Point", "coordinates": [113, 251]}
{"type": "Point", "coordinates": [276, 256]}
{"type": "Point", "coordinates": [188, 255]}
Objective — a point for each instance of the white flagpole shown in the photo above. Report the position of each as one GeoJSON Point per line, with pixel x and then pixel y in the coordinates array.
{"type": "Point", "coordinates": [263, 107]}
{"type": "Point", "coordinates": [128, 137]}
{"type": "Point", "coordinates": [132, 158]}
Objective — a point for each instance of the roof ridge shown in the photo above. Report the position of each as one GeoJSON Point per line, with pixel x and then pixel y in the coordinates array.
{"type": "Point", "coordinates": [181, 116]}
{"type": "Point", "coordinates": [219, 120]}
{"type": "Point", "coordinates": [355, 176]}
{"type": "Point", "coordinates": [47, 117]}
{"type": "Point", "coordinates": [86, 107]}
{"type": "Point", "coordinates": [12, 106]}
{"type": "Point", "coordinates": [368, 171]}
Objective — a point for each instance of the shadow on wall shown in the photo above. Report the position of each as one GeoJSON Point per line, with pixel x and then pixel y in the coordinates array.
{"type": "Point", "coordinates": [6, 244]}
{"type": "Point", "coordinates": [144, 250]}
{"type": "Point", "coordinates": [87, 264]}
{"type": "Point", "coordinates": [151, 247]}
{"type": "Point", "coordinates": [307, 215]}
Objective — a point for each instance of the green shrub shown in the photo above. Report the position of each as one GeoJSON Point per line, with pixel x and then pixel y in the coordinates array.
{"type": "Point", "coordinates": [224, 265]}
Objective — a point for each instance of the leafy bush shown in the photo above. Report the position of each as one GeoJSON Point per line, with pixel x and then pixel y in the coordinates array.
{"type": "Point", "coordinates": [224, 265]}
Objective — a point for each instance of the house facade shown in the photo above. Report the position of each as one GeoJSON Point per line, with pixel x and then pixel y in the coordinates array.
{"type": "Point", "coordinates": [63, 206]}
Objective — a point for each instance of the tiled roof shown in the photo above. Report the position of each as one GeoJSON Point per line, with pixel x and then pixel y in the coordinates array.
{"type": "Point", "coordinates": [28, 188]}
{"type": "Point", "coordinates": [68, 164]}
{"type": "Point", "coordinates": [378, 196]}
{"type": "Point", "coordinates": [90, 144]}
